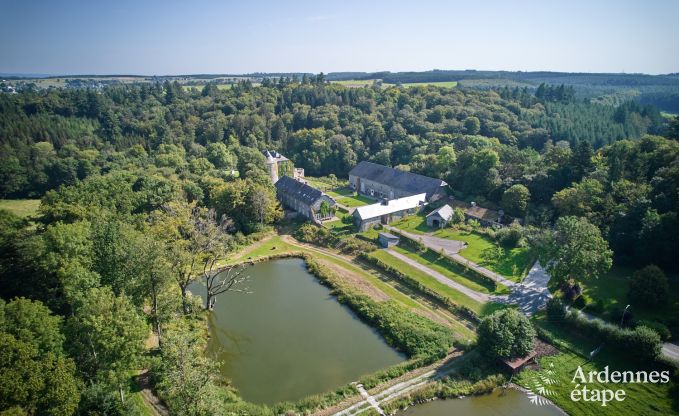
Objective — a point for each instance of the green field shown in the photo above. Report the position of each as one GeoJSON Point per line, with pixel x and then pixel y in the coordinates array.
{"type": "Point", "coordinates": [200, 87]}
{"type": "Point", "coordinates": [430, 282]}
{"type": "Point", "coordinates": [514, 265]}
{"type": "Point", "coordinates": [641, 398]}
{"type": "Point", "coordinates": [20, 207]}
{"type": "Point", "coordinates": [452, 270]}
{"type": "Point", "coordinates": [608, 294]}
{"type": "Point", "coordinates": [357, 83]}
{"type": "Point", "coordinates": [445, 84]}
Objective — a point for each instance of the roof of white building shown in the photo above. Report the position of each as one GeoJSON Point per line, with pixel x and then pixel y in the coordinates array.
{"type": "Point", "coordinates": [394, 205]}
{"type": "Point", "coordinates": [445, 212]}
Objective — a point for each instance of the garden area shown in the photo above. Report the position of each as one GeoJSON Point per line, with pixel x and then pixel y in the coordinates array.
{"type": "Point", "coordinates": [512, 263]}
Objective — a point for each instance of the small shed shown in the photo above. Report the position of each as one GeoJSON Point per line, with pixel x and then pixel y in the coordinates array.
{"type": "Point", "coordinates": [387, 240]}
{"type": "Point", "coordinates": [515, 364]}
{"type": "Point", "coordinates": [440, 217]}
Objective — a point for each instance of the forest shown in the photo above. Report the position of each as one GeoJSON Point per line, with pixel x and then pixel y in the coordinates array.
{"type": "Point", "coordinates": [145, 187]}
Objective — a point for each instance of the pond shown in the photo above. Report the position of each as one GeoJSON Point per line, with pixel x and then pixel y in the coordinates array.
{"type": "Point", "coordinates": [502, 402]}
{"type": "Point", "coordinates": [290, 338]}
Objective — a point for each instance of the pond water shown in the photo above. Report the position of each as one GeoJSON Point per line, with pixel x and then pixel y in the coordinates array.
{"type": "Point", "coordinates": [290, 338]}
{"type": "Point", "coordinates": [502, 402]}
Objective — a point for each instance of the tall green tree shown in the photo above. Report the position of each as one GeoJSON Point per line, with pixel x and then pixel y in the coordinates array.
{"type": "Point", "coordinates": [576, 250]}
{"type": "Point", "coordinates": [107, 339]}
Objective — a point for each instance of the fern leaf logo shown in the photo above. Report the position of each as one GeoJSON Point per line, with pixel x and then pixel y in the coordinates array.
{"type": "Point", "coordinates": [540, 383]}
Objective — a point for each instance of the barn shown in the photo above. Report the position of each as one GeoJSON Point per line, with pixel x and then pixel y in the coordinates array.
{"type": "Point", "coordinates": [383, 182]}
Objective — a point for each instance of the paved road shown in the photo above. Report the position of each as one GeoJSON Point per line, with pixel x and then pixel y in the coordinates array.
{"type": "Point", "coordinates": [435, 243]}
{"type": "Point", "coordinates": [530, 295]}
{"type": "Point", "coordinates": [450, 249]}
{"type": "Point", "coordinates": [477, 296]}
{"type": "Point", "coordinates": [671, 351]}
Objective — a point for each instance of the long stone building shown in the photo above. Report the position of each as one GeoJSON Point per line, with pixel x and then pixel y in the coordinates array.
{"type": "Point", "coordinates": [385, 212]}
{"type": "Point", "coordinates": [383, 182]}
{"type": "Point", "coordinates": [304, 199]}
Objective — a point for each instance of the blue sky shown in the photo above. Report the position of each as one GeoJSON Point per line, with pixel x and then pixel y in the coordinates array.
{"type": "Point", "coordinates": [171, 37]}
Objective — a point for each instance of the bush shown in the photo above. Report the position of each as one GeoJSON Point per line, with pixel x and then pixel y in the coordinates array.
{"type": "Point", "coordinates": [506, 334]}
{"type": "Point", "coordinates": [353, 245]}
{"type": "Point", "coordinates": [659, 328]}
{"type": "Point", "coordinates": [510, 236]}
{"type": "Point", "coordinates": [556, 310]}
{"type": "Point", "coordinates": [640, 342]}
{"type": "Point", "coordinates": [649, 287]}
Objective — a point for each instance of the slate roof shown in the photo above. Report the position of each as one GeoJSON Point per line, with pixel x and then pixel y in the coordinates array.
{"type": "Point", "coordinates": [273, 156]}
{"type": "Point", "coordinates": [394, 205]}
{"type": "Point", "coordinates": [405, 181]}
{"type": "Point", "coordinates": [477, 211]}
{"type": "Point", "coordinates": [298, 190]}
{"type": "Point", "coordinates": [444, 211]}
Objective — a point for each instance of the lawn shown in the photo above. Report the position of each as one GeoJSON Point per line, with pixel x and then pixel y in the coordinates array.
{"type": "Point", "coordinates": [452, 270]}
{"type": "Point", "coordinates": [339, 191]}
{"type": "Point", "coordinates": [339, 226]}
{"type": "Point", "coordinates": [355, 201]}
{"type": "Point", "coordinates": [429, 281]}
{"type": "Point", "coordinates": [641, 398]}
{"type": "Point", "coordinates": [514, 265]}
{"type": "Point", "coordinates": [607, 295]}
{"type": "Point", "coordinates": [20, 207]}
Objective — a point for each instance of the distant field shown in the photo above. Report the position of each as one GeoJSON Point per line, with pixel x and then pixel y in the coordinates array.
{"type": "Point", "coordinates": [447, 84]}
{"type": "Point", "coordinates": [200, 87]}
{"type": "Point", "coordinates": [20, 207]}
{"type": "Point", "coordinates": [355, 82]}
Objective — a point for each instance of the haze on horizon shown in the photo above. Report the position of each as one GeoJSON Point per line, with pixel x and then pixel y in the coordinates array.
{"type": "Point", "coordinates": [209, 36]}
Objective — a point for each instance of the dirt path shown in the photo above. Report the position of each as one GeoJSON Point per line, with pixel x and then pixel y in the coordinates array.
{"type": "Point", "coordinates": [153, 402]}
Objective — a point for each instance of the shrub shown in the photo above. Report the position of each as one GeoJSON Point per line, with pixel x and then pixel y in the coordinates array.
{"type": "Point", "coordinates": [649, 287]}
{"type": "Point", "coordinates": [661, 329]}
{"type": "Point", "coordinates": [353, 245]}
{"type": "Point", "coordinates": [645, 341]}
{"type": "Point", "coordinates": [506, 334]}
{"type": "Point", "coordinates": [458, 216]}
{"type": "Point", "coordinates": [555, 310]}
{"type": "Point", "coordinates": [640, 342]}
{"type": "Point", "coordinates": [510, 236]}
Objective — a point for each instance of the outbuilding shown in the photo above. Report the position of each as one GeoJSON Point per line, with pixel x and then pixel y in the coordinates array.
{"type": "Point", "coordinates": [440, 217]}
{"type": "Point", "coordinates": [387, 240]}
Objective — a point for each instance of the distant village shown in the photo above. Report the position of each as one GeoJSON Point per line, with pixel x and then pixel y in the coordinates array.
{"type": "Point", "coordinates": [397, 194]}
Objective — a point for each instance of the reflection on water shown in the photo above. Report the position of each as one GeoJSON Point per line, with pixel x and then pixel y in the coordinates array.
{"type": "Point", "coordinates": [290, 338]}
{"type": "Point", "coordinates": [502, 402]}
